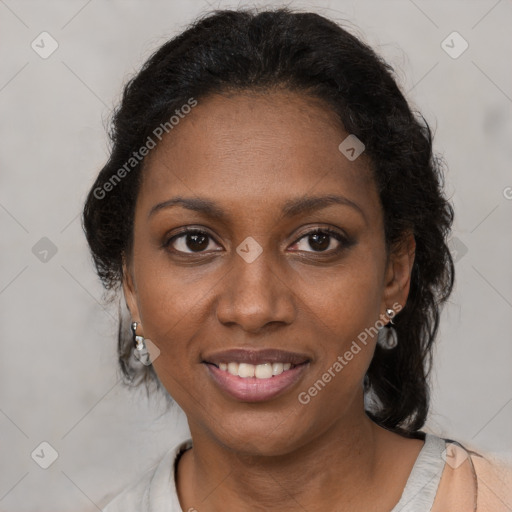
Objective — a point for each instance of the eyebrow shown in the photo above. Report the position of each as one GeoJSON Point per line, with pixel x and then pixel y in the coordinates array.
{"type": "Point", "coordinates": [291, 207]}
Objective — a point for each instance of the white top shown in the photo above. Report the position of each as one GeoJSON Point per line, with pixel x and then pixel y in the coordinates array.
{"type": "Point", "coordinates": [156, 491]}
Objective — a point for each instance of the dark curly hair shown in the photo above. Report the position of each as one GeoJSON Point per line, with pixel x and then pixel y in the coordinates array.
{"type": "Point", "coordinates": [236, 50]}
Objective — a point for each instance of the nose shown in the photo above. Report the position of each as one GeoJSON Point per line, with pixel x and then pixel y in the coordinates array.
{"type": "Point", "coordinates": [255, 294]}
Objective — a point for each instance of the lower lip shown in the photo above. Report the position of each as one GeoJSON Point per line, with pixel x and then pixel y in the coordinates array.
{"type": "Point", "coordinates": [251, 389]}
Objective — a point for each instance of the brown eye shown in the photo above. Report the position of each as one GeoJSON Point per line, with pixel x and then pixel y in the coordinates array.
{"type": "Point", "coordinates": [322, 240]}
{"type": "Point", "coordinates": [190, 241]}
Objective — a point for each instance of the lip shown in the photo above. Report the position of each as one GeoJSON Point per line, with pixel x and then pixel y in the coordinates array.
{"type": "Point", "coordinates": [251, 389]}
{"type": "Point", "coordinates": [259, 356]}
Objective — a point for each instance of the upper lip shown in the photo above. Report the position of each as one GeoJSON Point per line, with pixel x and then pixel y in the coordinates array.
{"type": "Point", "coordinates": [256, 356]}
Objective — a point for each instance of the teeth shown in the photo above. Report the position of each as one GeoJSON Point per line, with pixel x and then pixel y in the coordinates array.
{"type": "Point", "coordinates": [277, 368]}
{"type": "Point", "coordinates": [246, 370]}
{"type": "Point", "coordinates": [263, 371]}
{"type": "Point", "coordinates": [233, 368]}
{"type": "Point", "coordinates": [260, 371]}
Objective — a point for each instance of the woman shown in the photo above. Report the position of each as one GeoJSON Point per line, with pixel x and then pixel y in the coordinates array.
{"type": "Point", "coordinates": [274, 214]}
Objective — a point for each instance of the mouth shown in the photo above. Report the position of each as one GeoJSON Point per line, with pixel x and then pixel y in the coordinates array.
{"type": "Point", "coordinates": [226, 359]}
{"type": "Point", "coordinates": [255, 375]}
{"type": "Point", "coordinates": [261, 371]}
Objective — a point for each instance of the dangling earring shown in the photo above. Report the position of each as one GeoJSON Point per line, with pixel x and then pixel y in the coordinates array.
{"type": "Point", "coordinates": [387, 337]}
{"type": "Point", "coordinates": [138, 340]}
{"type": "Point", "coordinates": [140, 350]}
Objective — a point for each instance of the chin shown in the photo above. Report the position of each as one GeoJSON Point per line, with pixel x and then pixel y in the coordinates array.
{"type": "Point", "coordinates": [267, 434]}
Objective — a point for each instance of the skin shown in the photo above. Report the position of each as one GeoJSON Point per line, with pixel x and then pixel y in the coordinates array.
{"type": "Point", "coordinates": [251, 152]}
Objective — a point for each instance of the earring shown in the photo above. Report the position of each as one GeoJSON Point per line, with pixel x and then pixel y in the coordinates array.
{"type": "Point", "coordinates": [140, 351]}
{"type": "Point", "coordinates": [387, 337]}
{"type": "Point", "coordinates": [138, 340]}
{"type": "Point", "coordinates": [144, 349]}
{"type": "Point", "coordinates": [390, 313]}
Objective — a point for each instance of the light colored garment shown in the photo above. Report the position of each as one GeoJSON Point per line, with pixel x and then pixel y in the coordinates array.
{"type": "Point", "coordinates": [444, 475]}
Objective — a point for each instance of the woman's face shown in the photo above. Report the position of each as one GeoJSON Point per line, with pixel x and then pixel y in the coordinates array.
{"type": "Point", "coordinates": [257, 277]}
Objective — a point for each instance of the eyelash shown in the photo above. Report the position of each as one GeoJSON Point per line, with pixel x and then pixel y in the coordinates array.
{"type": "Point", "coordinates": [343, 240]}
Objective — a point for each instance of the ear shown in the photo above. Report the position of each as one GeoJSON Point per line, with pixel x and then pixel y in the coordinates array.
{"type": "Point", "coordinates": [130, 291]}
{"type": "Point", "coordinates": [398, 273]}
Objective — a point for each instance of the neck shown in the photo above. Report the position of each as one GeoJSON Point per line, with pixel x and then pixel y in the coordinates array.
{"type": "Point", "coordinates": [338, 466]}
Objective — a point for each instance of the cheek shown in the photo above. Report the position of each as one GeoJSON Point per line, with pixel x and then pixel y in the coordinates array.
{"type": "Point", "coordinates": [168, 296]}
{"type": "Point", "coordinates": [167, 305]}
{"type": "Point", "coordinates": [346, 300]}
{"type": "Point", "coordinates": [347, 349]}
{"type": "Point", "coordinates": [171, 312]}
{"type": "Point", "coordinates": [175, 306]}
{"type": "Point", "coordinates": [345, 307]}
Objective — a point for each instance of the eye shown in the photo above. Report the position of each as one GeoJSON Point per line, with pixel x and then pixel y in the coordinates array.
{"type": "Point", "coordinates": [321, 240]}
{"type": "Point", "coordinates": [189, 241]}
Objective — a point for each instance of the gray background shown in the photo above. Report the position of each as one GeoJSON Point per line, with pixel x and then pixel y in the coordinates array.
{"type": "Point", "coordinates": [59, 380]}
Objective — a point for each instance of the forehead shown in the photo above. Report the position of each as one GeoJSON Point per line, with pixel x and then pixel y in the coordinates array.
{"type": "Point", "coordinates": [253, 147]}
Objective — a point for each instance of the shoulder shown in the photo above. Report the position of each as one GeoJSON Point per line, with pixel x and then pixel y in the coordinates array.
{"type": "Point", "coordinates": [473, 480]}
{"type": "Point", "coordinates": [142, 494]}
{"type": "Point", "coordinates": [494, 477]}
